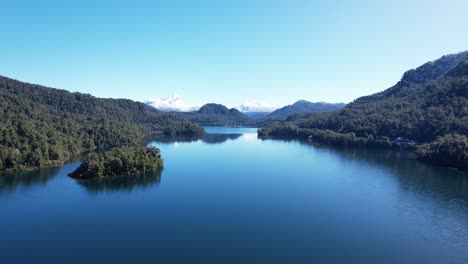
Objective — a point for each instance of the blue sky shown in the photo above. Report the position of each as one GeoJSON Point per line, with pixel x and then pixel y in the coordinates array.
{"type": "Point", "coordinates": [226, 51]}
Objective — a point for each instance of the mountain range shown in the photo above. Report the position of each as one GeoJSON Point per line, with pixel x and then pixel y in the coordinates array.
{"type": "Point", "coordinates": [251, 109]}
{"type": "Point", "coordinates": [42, 126]}
{"type": "Point", "coordinates": [219, 115]}
{"type": "Point", "coordinates": [427, 109]}
{"type": "Point", "coordinates": [215, 115]}
{"type": "Point", "coordinates": [303, 106]}
{"type": "Point", "coordinates": [256, 107]}
{"type": "Point", "coordinates": [170, 104]}
{"type": "Point", "coordinates": [176, 104]}
{"type": "Point", "coordinates": [250, 113]}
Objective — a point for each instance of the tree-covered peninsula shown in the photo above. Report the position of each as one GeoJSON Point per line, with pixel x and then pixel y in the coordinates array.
{"type": "Point", "coordinates": [427, 108]}
{"type": "Point", "coordinates": [123, 161]}
{"type": "Point", "coordinates": [42, 127]}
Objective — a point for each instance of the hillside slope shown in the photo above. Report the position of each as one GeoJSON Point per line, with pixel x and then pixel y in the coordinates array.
{"type": "Point", "coordinates": [301, 107]}
{"type": "Point", "coordinates": [430, 101]}
{"type": "Point", "coordinates": [41, 126]}
{"type": "Point", "coordinates": [216, 115]}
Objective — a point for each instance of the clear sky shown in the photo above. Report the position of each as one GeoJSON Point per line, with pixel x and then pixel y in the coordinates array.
{"type": "Point", "coordinates": [226, 51]}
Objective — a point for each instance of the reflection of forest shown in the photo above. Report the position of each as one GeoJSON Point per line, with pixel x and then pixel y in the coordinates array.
{"type": "Point", "coordinates": [409, 172]}
{"type": "Point", "coordinates": [121, 183]}
{"type": "Point", "coordinates": [208, 138]}
{"type": "Point", "coordinates": [219, 138]}
{"type": "Point", "coordinates": [172, 139]}
{"type": "Point", "coordinates": [26, 179]}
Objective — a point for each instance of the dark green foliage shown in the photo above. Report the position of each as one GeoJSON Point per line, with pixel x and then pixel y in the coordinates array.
{"type": "Point", "coordinates": [432, 70]}
{"type": "Point", "coordinates": [42, 127]}
{"type": "Point", "coordinates": [220, 115]}
{"type": "Point", "coordinates": [449, 150]}
{"type": "Point", "coordinates": [301, 107]}
{"type": "Point", "coordinates": [325, 136]}
{"type": "Point", "coordinates": [429, 102]}
{"type": "Point", "coordinates": [122, 183]}
{"type": "Point", "coordinates": [121, 161]}
{"type": "Point", "coordinates": [216, 115]}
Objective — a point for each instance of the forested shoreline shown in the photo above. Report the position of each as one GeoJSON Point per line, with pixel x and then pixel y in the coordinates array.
{"type": "Point", "coordinates": [427, 108]}
{"type": "Point", "coordinates": [43, 127]}
{"type": "Point", "coordinates": [122, 161]}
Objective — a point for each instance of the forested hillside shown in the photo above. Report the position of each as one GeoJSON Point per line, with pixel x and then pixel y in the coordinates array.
{"type": "Point", "coordinates": [219, 115]}
{"type": "Point", "coordinates": [301, 107]}
{"type": "Point", "coordinates": [42, 126]}
{"type": "Point", "coordinates": [216, 115]}
{"type": "Point", "coordinates": [428, 102]}
{"type": "Point", "coordinates": [123, 161]}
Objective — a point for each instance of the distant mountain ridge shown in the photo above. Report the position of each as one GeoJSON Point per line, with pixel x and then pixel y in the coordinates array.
{"type": "Point", "coordinates": [216, 115]}
{"type": "Point", "coordinates": [170, 104]}
{"type": "Point", "coordinates": [175, 104]}
{"type": "Point", "coordinates": [257, 107]}
{"type": "Point", "coordinates": [42, 126]}
{"type": "Point", "coordinates": [219, 109]}
{"type": "Point", "coordinates": [303, 106]}
{"type": "Point", "coordinates": [428, 107]}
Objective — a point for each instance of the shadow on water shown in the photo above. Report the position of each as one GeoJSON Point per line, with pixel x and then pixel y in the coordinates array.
{"type": "Point", "coordinates": [219, 138]}
{"type": "Point", "coordinates": [27, 179]}
{"type": "Point", "coordinates": [172, 139]}
{"type": "Point", "coordinates": [209, 138]}
{"type": "Point", "coordinates": [122, 183]}
{"type": "Point", "coordinates": [410, 173]}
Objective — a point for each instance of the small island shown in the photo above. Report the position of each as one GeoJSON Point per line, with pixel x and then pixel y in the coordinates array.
{"type": "Point", "coordinates": [122, 161]}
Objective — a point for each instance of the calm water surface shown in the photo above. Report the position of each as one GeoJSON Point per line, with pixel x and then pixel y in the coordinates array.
{"type": "Point", "coordinates": [231, 198]}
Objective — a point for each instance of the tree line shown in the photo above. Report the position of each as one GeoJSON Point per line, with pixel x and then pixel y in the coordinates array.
{"type": "Point", "coordinates": [122, 161]}
{"type": "Point", "coordinates": [41, 127]}
{"type": "Point", "coordinates": [429, 104]}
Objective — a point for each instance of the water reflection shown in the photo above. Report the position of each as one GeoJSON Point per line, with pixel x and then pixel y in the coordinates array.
{"type": "Point", "coordinates": [209, 138]}
{"type": "Point", "coordinates": [410, 173]}
{"type": "Point", "coordinates": [172, 139]}
{"type": "Point", "coordinates": [9, 182]}
{"type": "Point", "coordinates": [27, 179]}
{"type": "Point", "coordinates": [219, 138]}
{"type": "Point", "coordinates": [122, 183]}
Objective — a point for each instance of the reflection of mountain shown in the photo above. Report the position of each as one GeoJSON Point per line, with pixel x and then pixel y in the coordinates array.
{"type": "Point", "coordinates": [219, 138]}
{"type": "Point", "coordinates": [123, 183]}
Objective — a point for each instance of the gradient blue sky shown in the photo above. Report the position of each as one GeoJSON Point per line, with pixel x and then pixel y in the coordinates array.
{"type": "Point", "coordinates": [226, 51]}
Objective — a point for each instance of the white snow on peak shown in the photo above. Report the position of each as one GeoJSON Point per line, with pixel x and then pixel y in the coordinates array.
{"type": "Point", "coordinates": [258, 106]}
{"type": "Point", "coordinates": [172, 103]}
{"type": "Point", "coordinates": [176, 104]}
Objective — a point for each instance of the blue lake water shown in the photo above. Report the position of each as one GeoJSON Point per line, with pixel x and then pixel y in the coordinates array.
{"type": "Point", "coordinates": [232, 198]}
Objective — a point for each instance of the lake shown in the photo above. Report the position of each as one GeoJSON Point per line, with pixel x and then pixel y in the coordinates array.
{"type": "Point", "coordinates": [233, 198]}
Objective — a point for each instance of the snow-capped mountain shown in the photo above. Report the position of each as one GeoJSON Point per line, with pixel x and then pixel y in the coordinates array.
{"type": "Point", "coordinates": [257, 107]}
{"type": "Point", "coordinates": [169, 104]}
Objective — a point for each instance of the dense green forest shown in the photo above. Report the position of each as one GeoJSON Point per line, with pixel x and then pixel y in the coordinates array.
{"type": "Point", "coordinates": [301, 107]}
{"type": "Point", "coordinates": [42, 126]}
{"type": "Point", "coordinates": [449, 150]}
{"type": "Point", "coordinates": [216, 115]}
{"type": "Point", "coordinates": [426, 105]}
{"type": "Point", "coordinates": [219, 115]}
{"type": "Point", "coordinates": [122, 161]}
